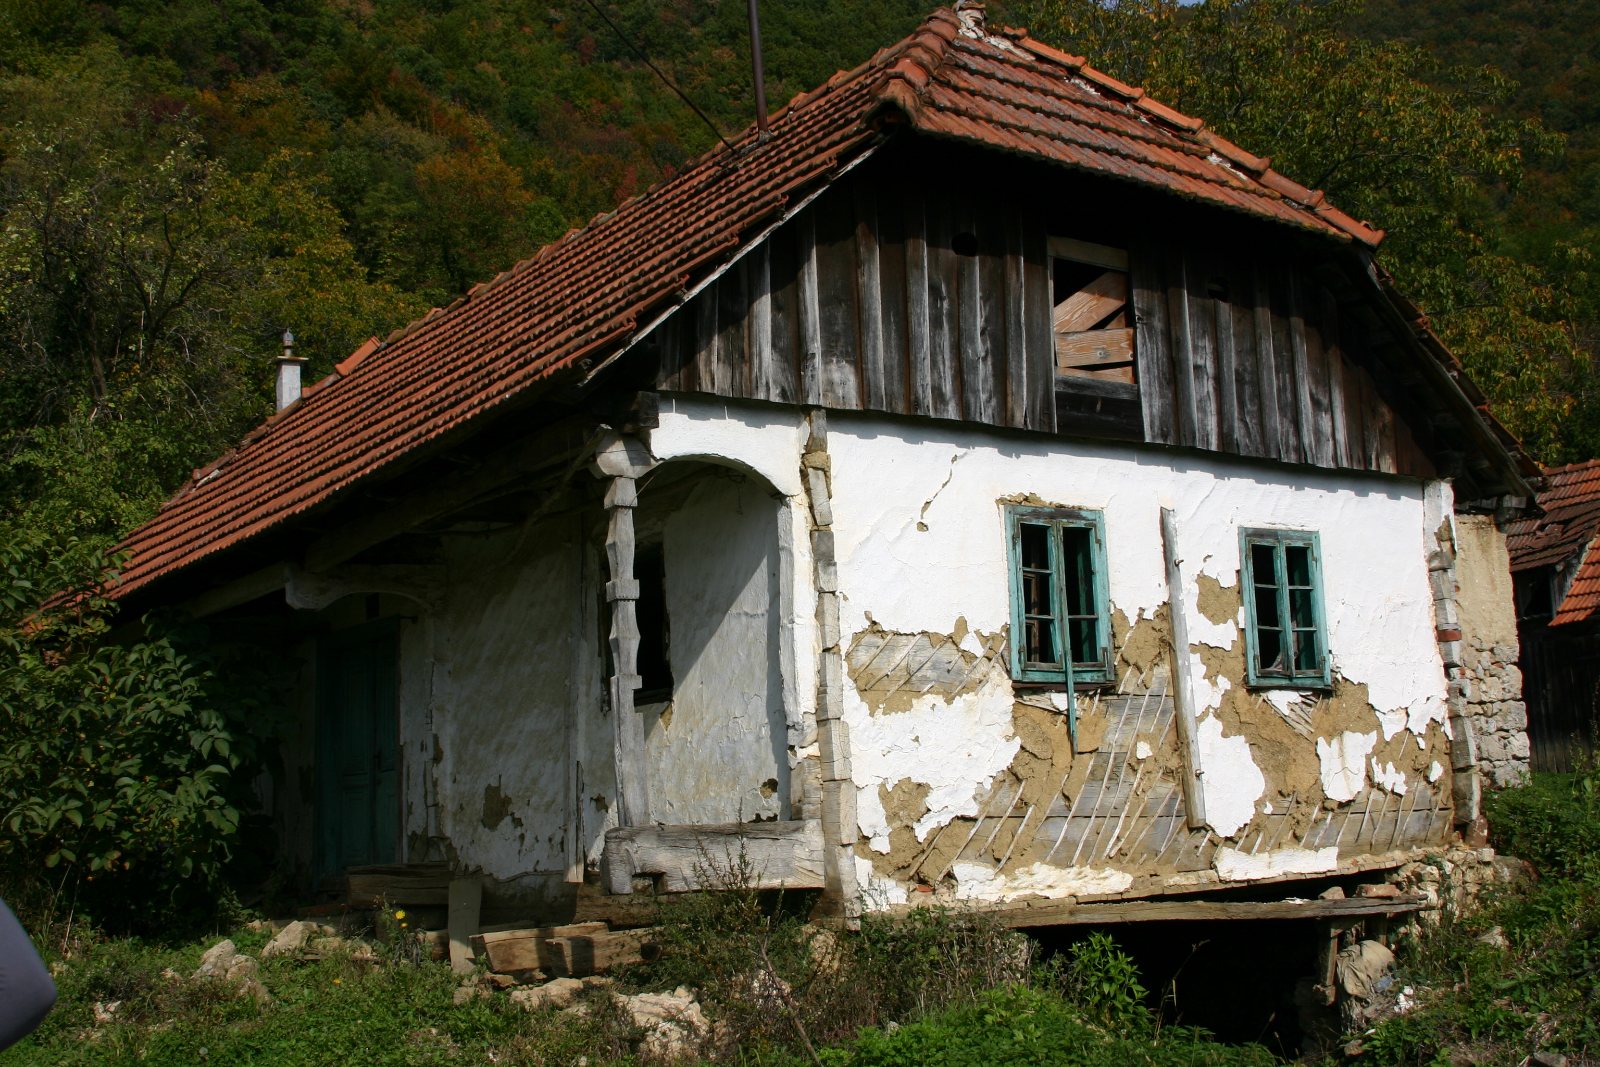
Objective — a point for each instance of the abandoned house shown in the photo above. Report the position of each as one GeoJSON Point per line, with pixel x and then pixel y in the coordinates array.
{"type": "Point", "coordinates": [987, 484]}
{"type": "Point", "coordinates": [1555, 565]}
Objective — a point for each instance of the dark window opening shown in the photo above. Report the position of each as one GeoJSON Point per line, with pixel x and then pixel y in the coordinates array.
{"type": "Point", "coordinates": [1287, 640]}
{"type": "Point", "coordinates": [1059, 606]}
{"type": "Point", "coordinates": [655, 646]}
{"type": "Point", "coordinates": [964, 244]}
{"type": "Point", "coordinates": [1092, 318]}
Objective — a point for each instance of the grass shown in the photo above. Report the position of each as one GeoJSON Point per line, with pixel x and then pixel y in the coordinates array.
{"type": "Point", "coordinates": [937, 988]}
{"type": "Point", "coordinates": [1541, 992]}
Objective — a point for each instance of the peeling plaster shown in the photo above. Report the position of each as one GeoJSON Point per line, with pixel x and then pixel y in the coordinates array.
{"type": "Point", "coordinates": [1235, 866]}
{"type": "Point", "coordinates": [977, 882]}
{"type": "Point", "coordinates": [1232, 781]}
{"type": "Point", "coordinates": [1385, 775]}
{"type": "Point", "coordinates": [1344, 768]}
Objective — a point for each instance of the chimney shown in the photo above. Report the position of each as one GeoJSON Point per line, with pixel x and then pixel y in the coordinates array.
{"type": "Point", "coordinates": [288, 373]}
{"type": "Point", "coordinates": [974, 22]}
{"type": "Point", "coordinates": [758, 68]}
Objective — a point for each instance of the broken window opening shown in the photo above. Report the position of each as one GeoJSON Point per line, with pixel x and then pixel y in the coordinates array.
{"type": "Point", "coordinates": [1286, 637]}
{"type": "Point", "coordinates": [1060, 618]}
{"type": "Point", "coordinates": [1092, 321]}
{"type": "Point", "coordinates": [655, 645]}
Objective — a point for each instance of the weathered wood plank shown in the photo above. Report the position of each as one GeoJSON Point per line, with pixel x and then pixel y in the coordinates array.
{"type": "Point", "coordinates": [1088, 407]}
{"type": "Point", "coordinates": [1194, 800]}
{"type": "Point", "coordinates": [706, 338]}
{"type": "Point", "coordinates": [1040, 403]}
{"type": "Point", "coordinates": [1291, 370]}
{"type": "Point", "coordinates": [840, 310]}
{"type": "Point", "coordinates": [977, 374]}
{"type": "Point", "coordinates": [1178, 322]}
{"type": "Point", "coordinates": [892, 280]}
{"type": "Point", "coordinates": [1094, 350]}
{"type": "Point", "coordinates": [1016, 318]}
{"type": "Point", "coordinates": [808, 307]}
{"type": "Point", "coordinates": [869, 298]}
{"type": "Point", "coordinates": [1265, 406]}
{"type": "Point", "coordinates": [918, 319]}
{"type": "Point", "coordinates": [944, 347]}
{"type": "Point", "coordinates": [1202, 352]}
{"type": "Point", "coordinates": [1227, 361]}
{"type": "Point", "coordinates": [1338, 405]}
{"type": "Point", "coordinates": [1051, 913]}
{"type": "Point", "coordinates": [731, 366]}
{"type": "Point", "coordinates": [525, 949]}
{"type": "Point", "coordinates": [408, 884]}
{"type": "Point", "coordinates": [1086, 252]}
{"type": "Point", "coordinates": [1094, 302]}
{"type": "Point", "coordinates": [781, 855]}
{"type": "Point", "coordinates": [1310, 416]}
{"type": "Point", "coordinates": [783, 283]}
{"type": "Point", "coordinates": [992, 289]}
{"type": "Point", "coordinates": [1153, 345]}
{"type": "Point", "coordinates": [582, 955]}
{"type": "Point", "coordinates": [758, 327]}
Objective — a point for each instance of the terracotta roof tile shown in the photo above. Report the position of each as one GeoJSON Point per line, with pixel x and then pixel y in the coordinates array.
{"type": "Point", "coordinates": [1568, 528]}
{"type": "Point", "coordinates": [587, 294]}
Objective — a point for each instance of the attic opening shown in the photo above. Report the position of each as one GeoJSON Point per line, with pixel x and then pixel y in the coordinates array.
{"type": "Point", "coordinates": [1092, 319]}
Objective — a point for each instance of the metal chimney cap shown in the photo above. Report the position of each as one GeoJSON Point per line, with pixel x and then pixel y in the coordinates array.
{"type": "Point", "coordinates": [288, 339]}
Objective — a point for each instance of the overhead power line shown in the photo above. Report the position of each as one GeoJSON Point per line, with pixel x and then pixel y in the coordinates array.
{"type": "Point", "coordinates": [645, 59]}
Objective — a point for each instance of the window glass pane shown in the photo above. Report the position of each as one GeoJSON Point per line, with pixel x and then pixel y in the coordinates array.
{"type": "Point", "coordinates": [1269, 648]}
{"type": "Point", "coordinates": [1305, 651]}
{"type": "Point", "coordinates": [1077, 544]}
{"type": "Point", "coordinates": [1267, 608]}
{"type": "Point", "coordinates": [1300, 613]}
{"type": "Point", "coordinates": [1298, 561]}
{"type": "Point", "coordinates": [1041, 641]}
{"type": "Point", "coordinates": [1035, 546]}
{"type": "Point", "coordinates": [1263, 565]}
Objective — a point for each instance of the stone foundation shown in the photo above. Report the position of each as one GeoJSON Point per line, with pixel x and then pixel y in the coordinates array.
{"type": "Point", "coordinates": [1453, 883]}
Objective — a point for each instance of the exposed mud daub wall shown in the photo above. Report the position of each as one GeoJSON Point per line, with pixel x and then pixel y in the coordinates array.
{"type": "Point", "coordinates": [972, 786]}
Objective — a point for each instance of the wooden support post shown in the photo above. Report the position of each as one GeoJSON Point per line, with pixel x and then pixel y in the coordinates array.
{"type": "Point", "coordinates": [466, 900]}
{"type": "Point", "coordinates": [1194, 799]}
{"type": "Point", "coordinates": [624, 460]}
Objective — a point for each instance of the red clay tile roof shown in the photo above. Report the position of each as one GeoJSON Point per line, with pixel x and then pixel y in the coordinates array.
{"type": "Point", "coordinates": [1571, 519]}
{"type": "Point", "coordinates": [580, 299]}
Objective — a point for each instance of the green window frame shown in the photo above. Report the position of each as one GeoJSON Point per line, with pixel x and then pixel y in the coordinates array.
{"type": "Point", "coordinates": [1286, 635]}
{"type": "Point", "coordinates": [1058, 596]}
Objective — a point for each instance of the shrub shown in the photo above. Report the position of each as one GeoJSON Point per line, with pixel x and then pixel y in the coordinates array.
{"type": "Point", "coordinates": [115, 767]}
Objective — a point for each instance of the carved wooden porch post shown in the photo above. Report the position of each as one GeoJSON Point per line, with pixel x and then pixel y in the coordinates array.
{"type": "Point", "coordinates": [624, 460]}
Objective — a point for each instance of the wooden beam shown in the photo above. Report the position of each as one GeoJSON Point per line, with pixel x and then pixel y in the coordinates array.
{"type": "Point", "coordinates": [442, 496]}
{"type": "Point", "coordinates": [466, 901]}
{"type": "Point", "coordinates": [1101, 298]}
{"type": "Point", "coordinates": [1092, 254]}
{"type": "Point", "coordinates": [780, 855]}
{"type": "Point", "coordinates": [524, 948]}
{"type": "Point", "coordinates": [242, 590]}
{"type": "Point", "coordinates": [1094, 349]}
{"type": "Point", "coordinates": [1064, 914]}
{"type": "Point", "coordinates": [1194, 797]}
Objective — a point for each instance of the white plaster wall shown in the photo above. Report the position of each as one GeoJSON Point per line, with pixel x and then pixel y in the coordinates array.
{"type": "Point", "coordinates": [920, 543]}
{"type": "Point", "coordinates": [716, 752]}
{"type": "Point", "coordinates": [513, 666]}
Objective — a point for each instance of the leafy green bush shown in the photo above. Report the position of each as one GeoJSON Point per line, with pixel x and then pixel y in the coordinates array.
{"type": "Point", "coordinates": [115, 768]}
{"type": "Point", "coordinates": [1540, 988]}
{"type": "Point", "coordinates": [1019, 1025]}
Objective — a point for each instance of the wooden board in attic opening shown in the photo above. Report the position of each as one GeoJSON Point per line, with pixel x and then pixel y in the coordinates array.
{"type": "Point", "coordinates": [1092, 323]}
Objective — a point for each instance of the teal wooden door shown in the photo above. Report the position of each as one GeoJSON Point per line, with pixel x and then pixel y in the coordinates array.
{"type": "Point", "coordinates": [358, 750]}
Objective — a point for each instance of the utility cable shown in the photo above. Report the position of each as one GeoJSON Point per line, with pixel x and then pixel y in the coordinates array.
{"type": "Point", "coordinates": [645, 59]}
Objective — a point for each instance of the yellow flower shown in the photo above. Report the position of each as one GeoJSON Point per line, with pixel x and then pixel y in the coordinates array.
{"type": "Point", "coordinates": [338, 981]}
{"type": "Point", "coordinates": [404, 925]}
{"type": "Point", "coordinates": [400, 914]}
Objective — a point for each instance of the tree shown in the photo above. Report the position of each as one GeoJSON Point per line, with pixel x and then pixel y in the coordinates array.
{"type": "Point", "coordinates": [1373, 125]}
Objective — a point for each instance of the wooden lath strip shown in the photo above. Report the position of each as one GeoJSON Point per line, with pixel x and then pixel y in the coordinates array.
{"type": "Point", "coordinates": [1093, 304]}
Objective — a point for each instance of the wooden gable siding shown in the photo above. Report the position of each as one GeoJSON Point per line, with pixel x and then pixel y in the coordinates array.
{"type": "Point", "coordinates": [906, 298]}
{"type": "Point", "coordinates": [903, 290]}
{"type": "Point", "coordinates": [1252, 355]}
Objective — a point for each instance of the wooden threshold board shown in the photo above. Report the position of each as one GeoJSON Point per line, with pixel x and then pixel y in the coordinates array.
{"type": "Point", "coordinates": [1054, 914]}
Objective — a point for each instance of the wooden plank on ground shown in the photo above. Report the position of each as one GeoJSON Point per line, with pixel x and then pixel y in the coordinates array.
{"type": "Point", "coordinates": [525, 948]}
{"type": "Point", "coordinates": [781, 855]}
{"type": "Point", "coordinates": [581, 955]}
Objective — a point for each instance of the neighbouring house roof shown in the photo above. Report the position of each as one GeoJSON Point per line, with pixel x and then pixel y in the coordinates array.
{"type": "Point", "coordinates": [1566, 530]}
{"type": "Point", "coordinates": [567, 310]}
